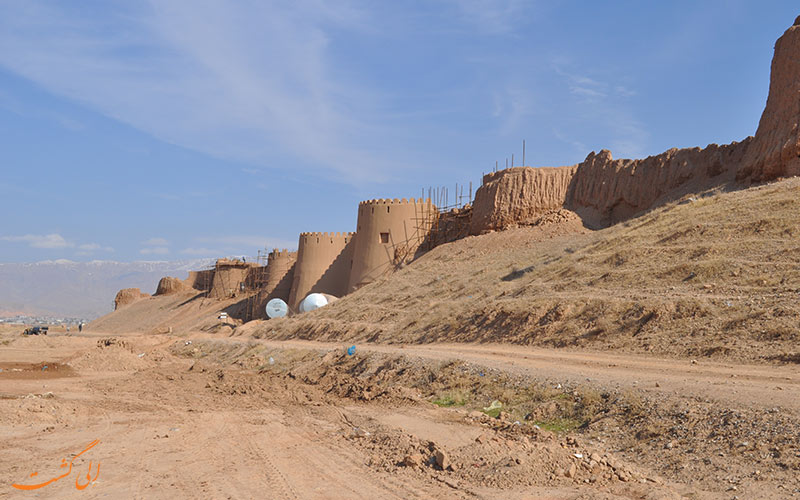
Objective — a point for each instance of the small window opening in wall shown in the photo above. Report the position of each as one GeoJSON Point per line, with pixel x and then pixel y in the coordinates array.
{"type": "Point", "coordinates": [384, 237]}
{"type": "Point", "coordinates": [387, 209]}
{"type": "Point", "coordinates": [351, 263]}
{"type": "Point", "coordinates": [373, 210]}
{"type": "Point", "coordinates": [317, 240]}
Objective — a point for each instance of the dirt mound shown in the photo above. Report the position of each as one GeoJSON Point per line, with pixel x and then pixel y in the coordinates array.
{"type": "Point", "coordinates": [111, 354]}
{"type": "Point", "coordinates": [480, 429]}
{"type": "Point", "coordinates": [559, 216]}
{"type": "Point", "coordinates": [128, 296]}
{"type": "Point", "coordinates": [505, 449]}
{"type": "Point", "coordinates": [41, 370]}
{"type": "Point", "coordinates": [169, 285]}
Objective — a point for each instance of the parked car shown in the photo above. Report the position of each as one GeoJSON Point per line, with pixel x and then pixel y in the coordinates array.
{"type": "Point", "coordinates": [36, 330]}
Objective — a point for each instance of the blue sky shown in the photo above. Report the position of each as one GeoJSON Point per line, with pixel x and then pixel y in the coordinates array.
{"type": "Point", "coordinates": [169, 130]}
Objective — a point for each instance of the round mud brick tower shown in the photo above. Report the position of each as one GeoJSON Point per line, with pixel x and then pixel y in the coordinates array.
{"type": "Point", "coordinates": [389, 233]}
{"type": "Point", "coordinates": [323, 265]}
{"type": "Point", "coordinates": [280, 274]}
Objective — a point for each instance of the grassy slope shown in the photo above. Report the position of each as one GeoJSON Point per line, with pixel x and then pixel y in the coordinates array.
{"type": "Point", "coordinates": [719, 276]}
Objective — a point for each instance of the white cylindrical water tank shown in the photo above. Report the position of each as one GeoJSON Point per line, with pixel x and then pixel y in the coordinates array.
{"type": "Point", "coordinates": [313, 301]}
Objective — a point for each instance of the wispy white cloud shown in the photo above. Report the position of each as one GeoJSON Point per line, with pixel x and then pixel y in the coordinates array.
{"type": "Point", "coordinates": [249, 245]}
{"type": "Point", "coordinates": [624, 91]}
{"type": "Point", "coordinates": [206, 252]}
{"type": "Point", "coordinates": [576, 145]}
{"type": "Point", "coordinates": [154, 251]}
{"type": "Point", "coordinates": [587, 92]}
{"type": "Point", "coordinates": [53, 240]}
{"type": "Point", "coordinates": [589, 88]}
{"type": "Point", "coordinates": [56, 241]}
{"type": "Point", "coordinates": [583, 86]}
{"type": "Point", "coordinates": [606, 104]}
{"type": "Point", "coordinates": [156, 242]}
{"type": "Point", "coordinates": [87, 249]}
{"type": "Point", "coordinates": [493, 16]}
{"type": "Point", "coordinates": [238, 80]}
{"type": "Point", "coordinates": [254, 241]}
{"type": "Point", "coordinates": [91, 247]}
{"type": "Point", "coordinates": [512, 105]}
{"type": "Point", "coordinates": [155, 246]}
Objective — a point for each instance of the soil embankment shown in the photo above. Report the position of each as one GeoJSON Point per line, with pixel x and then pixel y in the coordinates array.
{"type": "Point", "coordinates": [306, 420]}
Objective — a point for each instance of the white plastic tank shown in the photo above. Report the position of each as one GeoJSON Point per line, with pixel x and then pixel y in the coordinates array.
{"type": "Point", "coordinates": [276, 308]}
{"type": "Point", "coordinates": [313, 301]}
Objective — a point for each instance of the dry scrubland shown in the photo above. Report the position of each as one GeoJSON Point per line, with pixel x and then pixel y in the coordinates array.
{"type": "Point", "coordinates": [710, 276]}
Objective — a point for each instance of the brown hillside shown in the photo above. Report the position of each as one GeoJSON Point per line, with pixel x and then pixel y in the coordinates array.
{"type": "Point", "coordinates": [178, 312]}
{"type": "Point", "coordinates": [715, 276]}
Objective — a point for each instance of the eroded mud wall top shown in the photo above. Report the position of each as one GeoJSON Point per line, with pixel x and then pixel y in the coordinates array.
{"type": "Point", "coordinates": [605, 191]}
{"type": "Point", "coordinates": [776, 148]}
{"type": "Point", "coordinates": [517, 194]}
{"type": "Point", "coordinates": [128, 296]}
{"type": "Point", "coordinates": [169, 285]}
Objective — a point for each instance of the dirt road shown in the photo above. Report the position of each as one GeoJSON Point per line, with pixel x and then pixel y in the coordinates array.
{"type": "Point", "coordinates": [165, 433]}
{"type": "Point", "coordinates": [214, 426]}
{"type": "Point", "coordinates": [735, 384]}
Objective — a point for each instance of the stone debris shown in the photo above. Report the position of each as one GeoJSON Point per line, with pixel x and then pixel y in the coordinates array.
{"type": "Point", "coordinates": [442, 459]}
{"type": "Point", "coordinates": [413, 460]}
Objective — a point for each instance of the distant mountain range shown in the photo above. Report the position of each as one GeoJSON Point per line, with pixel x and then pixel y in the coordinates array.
{"type": "Point", "coordinates": [63, 288]}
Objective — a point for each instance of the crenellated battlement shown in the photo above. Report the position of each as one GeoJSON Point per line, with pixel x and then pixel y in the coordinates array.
{"type": "Point", "coordinates": [228, 263]}
{"type": "Point", "coordinates": [277, 253]}
{"type": "Point", "coordinates": [396, 201]}
{"type": "Point", "coordinates": [336, 235]}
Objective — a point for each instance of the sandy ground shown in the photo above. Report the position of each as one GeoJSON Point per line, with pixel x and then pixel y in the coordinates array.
{"type": "Point", "coordinates": [205, 417]}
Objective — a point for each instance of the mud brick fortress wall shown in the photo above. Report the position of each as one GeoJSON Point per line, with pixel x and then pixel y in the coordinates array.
{"type": "Point", "coordinates": [280, 274]}
{"type": "Point", "coordinates": [601, 190]}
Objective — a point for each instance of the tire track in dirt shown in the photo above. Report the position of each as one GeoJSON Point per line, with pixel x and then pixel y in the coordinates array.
{"type": "Point", "coordinates": [335, 468]}
{"type": "Point", "coordinates": [276, 482]}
